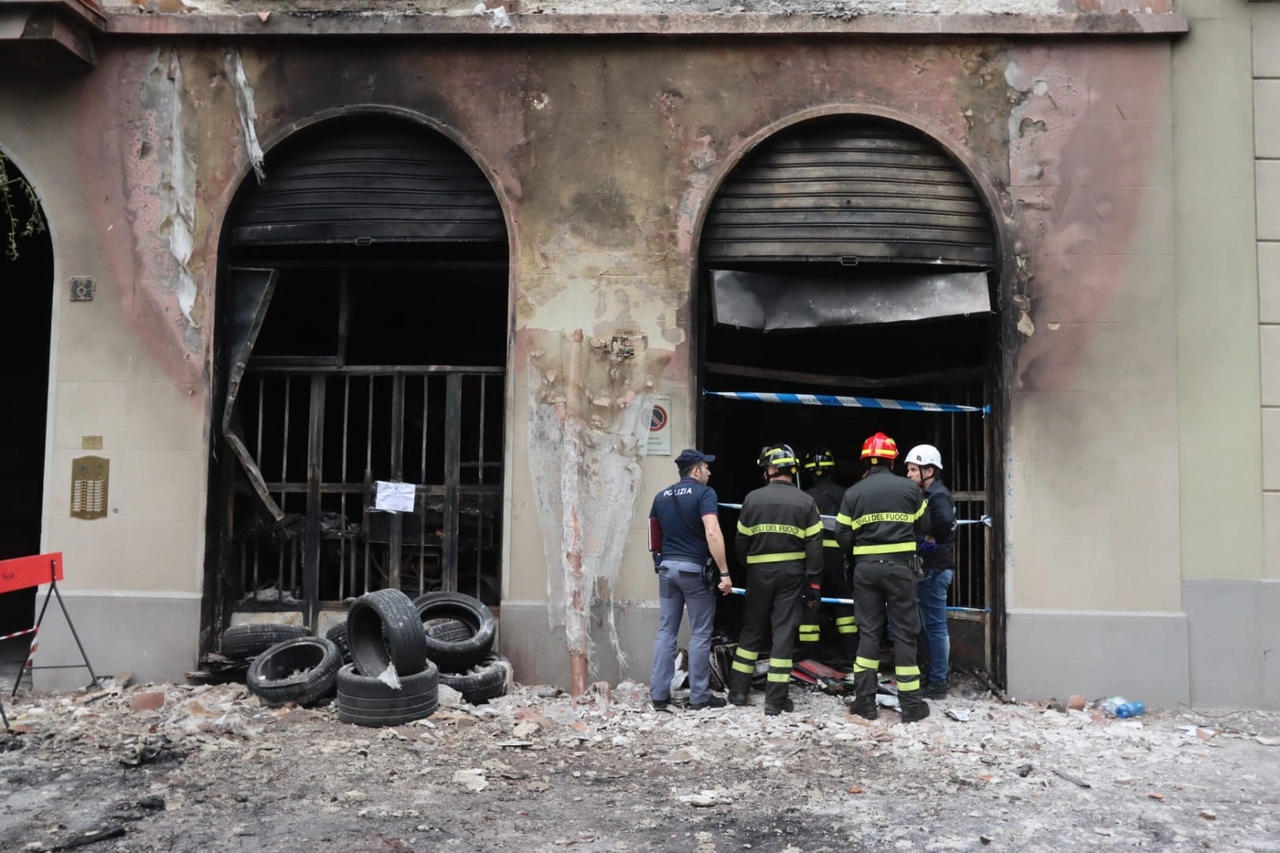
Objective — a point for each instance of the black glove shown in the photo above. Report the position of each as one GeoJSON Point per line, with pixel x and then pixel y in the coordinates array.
{"type": "Point", "coordinates": [811, 596]}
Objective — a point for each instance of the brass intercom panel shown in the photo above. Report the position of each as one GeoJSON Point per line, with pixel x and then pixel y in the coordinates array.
{"type": "Point", "coordinates": [90, 476]}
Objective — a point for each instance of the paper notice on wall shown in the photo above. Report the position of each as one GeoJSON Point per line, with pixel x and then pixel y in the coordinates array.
{"type": "Point", "coordinates": [659, 443]}
{"type": "Point", "coordinates": [393, 497]}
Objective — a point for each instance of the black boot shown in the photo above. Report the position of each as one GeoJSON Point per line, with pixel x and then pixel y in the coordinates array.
{"type": "Point", "coordinates": [935, 690]}
{"type": "Point", "coordinates": [786, 707]}
{"type": "Point", "coordinates": [865, 708]}
{"type": "Point", "coordinates": [914, 712]}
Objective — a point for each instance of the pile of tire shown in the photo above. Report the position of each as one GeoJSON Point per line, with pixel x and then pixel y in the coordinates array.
{"type": "Point", "coordinates": [286, 664]}
{"type": "Point", "coordinates": [459, 632]}
{"type": "Point", "coordinates": [390, 681]}
{"type": "Point", "coordinates": [386, 660]}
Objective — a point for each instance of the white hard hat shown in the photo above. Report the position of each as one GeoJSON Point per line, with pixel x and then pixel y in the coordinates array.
{"type": "Point", "coordinates": [925, 454]}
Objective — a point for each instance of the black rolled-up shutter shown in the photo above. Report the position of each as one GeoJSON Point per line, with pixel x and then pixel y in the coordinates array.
{"type": "Point", "coordinates": [849, 188]}
{"type": "Point", "coordinates": [375, 181]}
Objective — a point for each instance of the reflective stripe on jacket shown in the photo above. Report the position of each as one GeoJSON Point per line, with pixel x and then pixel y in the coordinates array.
{"type": "Point", "coordinates": [779, 523]}
{"type": "Point", "coordinates": [882, 517]}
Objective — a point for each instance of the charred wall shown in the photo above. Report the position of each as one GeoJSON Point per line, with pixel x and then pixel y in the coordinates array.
{"type": "Point", "coordinates": [604, 154]}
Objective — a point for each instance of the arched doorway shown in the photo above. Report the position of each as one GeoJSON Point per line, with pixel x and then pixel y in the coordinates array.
{"type": "Point", "coordinates": [363, 326]}
{"type": "Point", "coordinates": [852, 256]}
{"type": "Point", "coordinates": [26, 280]}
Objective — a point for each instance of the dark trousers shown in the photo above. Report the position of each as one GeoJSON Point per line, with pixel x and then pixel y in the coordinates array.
{"type": "Point", "coordinates": [834, 585]}
{"type": "Point", "coordinates": [879, 587]}
{"type": "Point", "coordinates": [772, 607]}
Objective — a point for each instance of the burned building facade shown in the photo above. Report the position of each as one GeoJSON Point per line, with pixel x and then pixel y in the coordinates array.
{"type": "Point", "coordinates": [519, 258]}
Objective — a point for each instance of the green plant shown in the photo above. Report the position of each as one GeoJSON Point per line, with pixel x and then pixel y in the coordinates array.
{"type": "Point", "coordinates": [20, 208]}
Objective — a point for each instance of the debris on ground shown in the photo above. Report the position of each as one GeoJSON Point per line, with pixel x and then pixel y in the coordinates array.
{"type": "Point", "coordinates": [538, 769]}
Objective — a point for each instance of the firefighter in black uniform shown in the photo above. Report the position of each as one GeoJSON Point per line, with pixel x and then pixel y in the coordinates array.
{"type": "Point", "coordinates": [827, 494]}
{"type": "Point", "coordinates": [880, 519]}
{"type": "Point", "coordinates": [780, 542]}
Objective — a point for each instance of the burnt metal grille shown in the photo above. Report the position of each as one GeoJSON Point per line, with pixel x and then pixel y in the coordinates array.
{"type": "Point", "coordinates": [322, 436]}
{"type": "Point", "coordinates": [366, 180]}
{"type": "Point", "coordinates": [848, 189]}
{"type": "Point", "coordinates": [964, 444]}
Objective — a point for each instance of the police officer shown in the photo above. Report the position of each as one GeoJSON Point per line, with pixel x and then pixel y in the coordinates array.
{"type": "Point", "coordinates": [877, 525]}
{"type": "Point", "coordinates": [827, 494]}
{"type": "Point", "coordinates": [937, 560]}
{"type": "Point", "coordinates": [686, 514]}
{"type": "Point", "coordinates": [780, 542]}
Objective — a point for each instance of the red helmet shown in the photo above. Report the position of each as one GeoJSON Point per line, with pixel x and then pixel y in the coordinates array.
{"type": "Point", "coordinates": [880, 446]}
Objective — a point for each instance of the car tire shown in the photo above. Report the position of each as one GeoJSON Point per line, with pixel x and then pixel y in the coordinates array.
{"type": "Point", "coordinates": [487, 680]}
{"type": "Point", "coordinates": [337, 634]}
{"type": "Point", "coordinates": [447, 630]}
{"type": "Point", "coordinates": [251, 639]}
{"type": "Point", "coordinates": [300, 670]}
{"type": "Point", "coordinates": [383, 628]}
{"type": "Point", "coordinates": [460, 654]}
{"type": "Point", "coordinates": [367, 701]}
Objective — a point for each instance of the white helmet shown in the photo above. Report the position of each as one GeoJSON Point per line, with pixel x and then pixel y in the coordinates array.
{"type": "Point", "coordinates": [925, 454]}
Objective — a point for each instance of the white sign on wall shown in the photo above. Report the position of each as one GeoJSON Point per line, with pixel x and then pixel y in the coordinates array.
{"type": "Point", "coordinates": [660, 427]}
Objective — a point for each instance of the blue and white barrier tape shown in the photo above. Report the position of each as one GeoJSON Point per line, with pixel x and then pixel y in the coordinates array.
{"type": "Point", "coordinates": [846, 402]}
{"type": "Point", "coordinates": [986, 519]}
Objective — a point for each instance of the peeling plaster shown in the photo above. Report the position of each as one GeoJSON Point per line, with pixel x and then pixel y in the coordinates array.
{"type": "Point", "coordinates": [143, 207]}
{"type": "Point", "coordinates": [248, 115]}
{"type": "Point", "coordinates": [589, 402]}
{"type": "Point", "coordinates": [179, 196]}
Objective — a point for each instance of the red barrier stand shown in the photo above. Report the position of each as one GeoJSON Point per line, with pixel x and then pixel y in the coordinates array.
{"type": "Point", "coordinates": [26, 572]}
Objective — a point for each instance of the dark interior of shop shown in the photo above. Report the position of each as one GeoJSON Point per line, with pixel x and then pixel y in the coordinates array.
{"type": "Point", "coordinates": [938, 360]}
{"type": "Point", "coordinates": [360, 315]}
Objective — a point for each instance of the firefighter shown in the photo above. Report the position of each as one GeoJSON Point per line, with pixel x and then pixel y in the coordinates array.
{"type": "Point", "coordinates": [827, 494]}
{"type": "Point", "coordinates": [780, 542]}
{"type": "Point", "coordinates": [879, 519]}
{"type": "Point", "coordinates": [937, 560]}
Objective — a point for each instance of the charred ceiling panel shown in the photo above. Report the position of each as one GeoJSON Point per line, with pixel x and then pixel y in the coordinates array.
{"type": "Point", "coordinates": [773, 302]}
{"type": "Point", "coordinates": [849, 189]}
{"type": "Point", "coordinates": [369, 183]}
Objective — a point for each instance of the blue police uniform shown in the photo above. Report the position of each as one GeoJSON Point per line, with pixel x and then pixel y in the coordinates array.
{"type": "Point", "coordinates": [679, 510]}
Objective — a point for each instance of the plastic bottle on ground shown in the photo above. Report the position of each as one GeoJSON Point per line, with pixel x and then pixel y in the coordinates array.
{"type": "Point", "coordinates": [1130, 709]}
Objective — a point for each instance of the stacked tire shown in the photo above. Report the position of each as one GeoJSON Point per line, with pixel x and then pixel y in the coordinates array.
{"type": "Point", "coordinates": [389, 681]}
{"type": "Point", "coordinates": [285, 663]}
{"type": "Point", "coordinates": [459, 632]}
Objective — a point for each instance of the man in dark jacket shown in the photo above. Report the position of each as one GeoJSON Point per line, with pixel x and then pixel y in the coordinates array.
{"type": "Point", "coordinates": [877, 526]}
{"type": "Point", "coordinates": [827, 494]}
{"type": "Point", "coordinates": [780, 542]}
{"type": "Point", "coordinates": [686, 515]}
{"type": "Point", "coordinates": [937, 559]}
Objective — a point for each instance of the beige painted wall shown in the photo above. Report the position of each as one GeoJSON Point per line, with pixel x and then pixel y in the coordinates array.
{"type": "Point", "coordinates": [107, 382]}
{"type": "Point", "coordinates": [1093, 436]}
{"type": "Point", "coordinates": [1218, 382]}
{"type": "Point", "coordinates": [1266, 136]}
